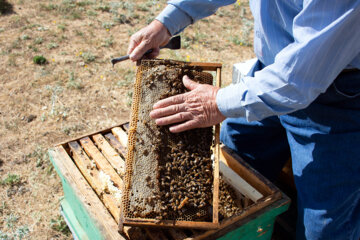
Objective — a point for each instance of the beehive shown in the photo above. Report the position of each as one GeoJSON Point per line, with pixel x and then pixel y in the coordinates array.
{"type": "Point", "coordinates": [93, 213]}
{"type": "Point", "coordinates": [170, 179]}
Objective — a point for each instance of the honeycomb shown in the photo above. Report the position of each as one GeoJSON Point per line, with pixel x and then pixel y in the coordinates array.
{"type": "Point", "coordinates": [168, 176]}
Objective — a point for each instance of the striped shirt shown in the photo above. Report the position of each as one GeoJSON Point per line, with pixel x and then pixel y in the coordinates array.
{"type": "Point", "coordinates": [303, 44]}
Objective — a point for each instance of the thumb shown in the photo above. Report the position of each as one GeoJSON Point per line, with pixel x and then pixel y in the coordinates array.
{"type": "Point", "coordinates": [190, 84]}
{"type": "Point", "coordinates": [139, 51]}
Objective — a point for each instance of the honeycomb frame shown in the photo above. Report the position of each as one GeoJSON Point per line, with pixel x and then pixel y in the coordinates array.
{"type": "Point", "coordinates": [125, 216]}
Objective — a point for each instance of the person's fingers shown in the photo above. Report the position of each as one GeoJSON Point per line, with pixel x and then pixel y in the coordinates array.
{"type": "Point", "coordinates": [140, 50]}
{"type": "Point", "coordinates": [176, 118]}
{"type": "Point", "coordinates": [154, 53]}
{"type": "Point", "coordinates": [184, 126]}
{"type": "Point", "coordinates": [170, 101]}
{"type": "Point", "coordinates": [166, 111]}
{"type": "Point", "coordinates": [189, 84]}
{"type": "Point", "coordinates": [134, 41]}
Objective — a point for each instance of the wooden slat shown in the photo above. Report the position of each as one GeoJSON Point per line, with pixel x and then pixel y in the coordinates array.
{"type": "Point", "coordinates": [238, 165]}
{"type": "Point", "coordinates": [217, 159]}
{"type": "Point", "coordinates": [177, 234]}
{"type": "Point", "coordinates": [92, 176]}
{"type": "Point", "coordinates": [166, 223]}
{"type": "Point", "coordinates": [91, 203]}
{"type": "Point", "coordinates": [116, 144]}
{"type": "Point", "coordinates": [101, 161]}
{"type": "Point", "coordinates": [206, 66]}
{"type": "Point", "coordinates": [110, 153]}
{"type": "Point", "coordinates": [121, 135]}
{"type": "Point", "coordinates": [155, 234]}
{"type": "Point", "coordinates": [239, 183]}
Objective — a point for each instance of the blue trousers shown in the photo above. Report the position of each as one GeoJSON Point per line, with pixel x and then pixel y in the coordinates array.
{"type": "Point", "coordinates": [324, 143]}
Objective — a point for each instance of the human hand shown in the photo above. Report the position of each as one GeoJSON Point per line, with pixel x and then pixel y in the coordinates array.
{"type": "Point", "coordinates": [194, 109]}
{"type": "Point", "coordinates": [152, 36]}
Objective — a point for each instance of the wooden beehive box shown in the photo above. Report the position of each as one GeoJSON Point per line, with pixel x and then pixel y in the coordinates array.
{"type": "Point", "coordinates": [92, 208]}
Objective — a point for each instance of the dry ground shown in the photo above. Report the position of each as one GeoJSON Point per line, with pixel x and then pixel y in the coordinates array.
{"type": "Point", "coordinates": [78, 91]}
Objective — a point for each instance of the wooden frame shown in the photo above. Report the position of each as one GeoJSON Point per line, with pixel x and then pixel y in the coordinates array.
{"type": "Point", "coordinates": [124, 220]}
{"type": "Point", "coordinates": [104, 212]}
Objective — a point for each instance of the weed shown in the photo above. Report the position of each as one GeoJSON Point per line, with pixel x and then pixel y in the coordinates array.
{"type": "Point", "coordinates": [79, 33]}
{"type": "Point", "coordinates": [88, 57]}
{"type": "Point", "coordinates": [25, 37]}
{"type": "Point", "coordinates": [12, 60]}
{"type": "Point", "coordinates": [21, 232]}
{"type": "Point", "coordinates": [2, 30]}
{"type": "Point", "coordinates": [11, 180]}
{"type": "Point", "coordinates": [39, 154]}
{"type": "Point", "coordinates": [48, 7]}
{"type": "Point", "coordinates": [108, 42]}
{"type": "Point", "coordinates": [11, 220]}
{"type": "Point", "coordinates": [129, 96]}
{"type": "Point", "coordinates": [35, 49]}
{"type": "Point", "coordinates": [38, 40]}
{"type": "Point", "coordinates": [91, 13]}
{"type": "Point", "coordinates": [59, 224]}
{"type": "Point", "coordinates": [40, 60]}
{"type": "Point", "coordinates": [121, 19]}
{"type": "Point", "coordinates": [16, 44]}
{"type": "Point", "coordinates": [84, 3]}
{"type": "Point", "coordinates": [103, 8]}
{"type": "Point", "coordinates": [62, 27]}
{"type": "Point", "coordinates": [52, 45]}
{"type": "Point", "coordinates": [3, 207]}
{"type": "Point", "coordinates": [107, 25]}
{"type": "Point", "coordinates": [73, 83]}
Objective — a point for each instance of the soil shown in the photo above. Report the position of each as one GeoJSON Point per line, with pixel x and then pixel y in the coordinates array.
{"type": "Point", "coordinates": [78, 91]}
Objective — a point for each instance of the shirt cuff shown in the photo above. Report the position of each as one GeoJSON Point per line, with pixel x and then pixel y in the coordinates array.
{"type": "Point", "coordinates": [228, 100]}
{"type": "Point", "coordinates": [174, 19]}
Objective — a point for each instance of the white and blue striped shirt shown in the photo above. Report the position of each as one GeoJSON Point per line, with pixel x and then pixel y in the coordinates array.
{"type": "Point", "coordinates": [303, 44]}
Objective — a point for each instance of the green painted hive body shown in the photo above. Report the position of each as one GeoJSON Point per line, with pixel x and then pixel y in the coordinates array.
{"type": "Point", "coordinates": [88, 218]}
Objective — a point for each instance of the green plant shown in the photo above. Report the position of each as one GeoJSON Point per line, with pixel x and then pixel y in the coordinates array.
{"type": "Point", "coordinates": [62, 27]}
{"type": "Point", "coordinates": [11, 180]}
{"type": "Point", "coordinates": [72, 83]}
{"type": "Point", "coordinates": [91, 13]}
{"type": "Point", "coordinates": [40, 60]}
{"type": "Point", "coordinates": [39, 154]}
{"type": "Point", "coordinates": [39, 40]}
{"type": "Point", "coordinates": [103, 8]}
{"type": "Point", "coordinates": [25, 37]}
{"type": "Point", "coordinates": [52, 45]}
{"type": "Point", "coordinates": [59, 224]}
{"type": "Point", "coordinates": [108, 42]}
{"type": "Point", "coordinates": [129, 96]}
{"type": "Point", "coordinates": [107, 25]}
{"type": "Point", "coordinates": [88, 57]}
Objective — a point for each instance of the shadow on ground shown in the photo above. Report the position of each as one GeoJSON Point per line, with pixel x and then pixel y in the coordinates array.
{"type": "Point", "coordinates": [5, 8]}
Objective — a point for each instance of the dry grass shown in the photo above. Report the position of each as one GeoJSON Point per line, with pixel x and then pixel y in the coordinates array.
{"type": "Point", "coordinates": [78, 91]}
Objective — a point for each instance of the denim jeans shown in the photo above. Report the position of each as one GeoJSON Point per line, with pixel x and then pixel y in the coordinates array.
{"type": "Point", "coordinates": [324, 142]}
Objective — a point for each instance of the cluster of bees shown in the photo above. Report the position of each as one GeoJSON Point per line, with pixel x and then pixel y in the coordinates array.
{"type": "Point", "coordinates": [229, 205]}
{"type": "Point", "coordinates": [185, 173]}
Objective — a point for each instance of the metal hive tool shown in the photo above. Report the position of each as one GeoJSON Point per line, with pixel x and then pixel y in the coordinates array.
{"type": "Point", "coordinates": [170, 179]}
